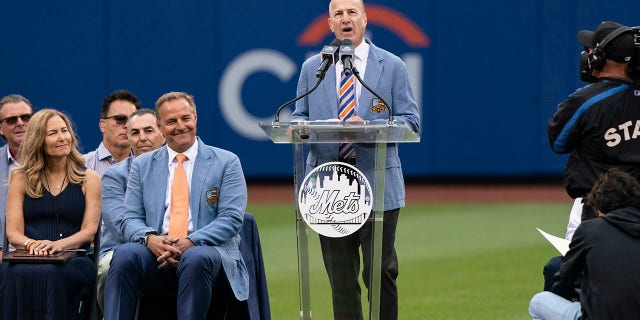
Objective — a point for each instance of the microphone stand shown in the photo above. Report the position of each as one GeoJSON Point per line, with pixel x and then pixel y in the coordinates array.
{"type": "Point", "coordinates": [276, 119]}
{"type": "Point", "coordinates": [357, 74]}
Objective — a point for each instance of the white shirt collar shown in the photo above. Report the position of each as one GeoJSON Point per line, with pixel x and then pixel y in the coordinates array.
{"type": "Point", "coordinates": [362, 51]}
{"type": "Point", "coordinates": [9, 156]}
{"type": "Point", "coordinates": [191, 153]}
{"type": "Point", "coordinates": [11, 160]}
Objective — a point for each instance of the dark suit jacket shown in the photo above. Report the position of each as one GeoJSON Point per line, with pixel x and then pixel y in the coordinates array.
{"type": "Point", "coordinates": [258, 302]}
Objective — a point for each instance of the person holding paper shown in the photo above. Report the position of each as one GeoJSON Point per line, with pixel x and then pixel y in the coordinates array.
{"type": "Point", "coordinates": [596, 124]}
{"type": "Point", "coordinates": [605, 252]}
{"type": "Point", "coordinates": [53, 205]}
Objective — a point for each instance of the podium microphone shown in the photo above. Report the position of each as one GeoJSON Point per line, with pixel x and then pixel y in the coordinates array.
{"type": "Point", "coordinates": [328, 55]}
{"type": "Point", "coordinates": [346, 55]}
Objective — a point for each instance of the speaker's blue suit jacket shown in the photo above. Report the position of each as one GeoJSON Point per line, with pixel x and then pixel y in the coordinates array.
{"type": "Point", "coordinates": [387, 75]}
{"type": "Point", "coordinates": [217, 201]}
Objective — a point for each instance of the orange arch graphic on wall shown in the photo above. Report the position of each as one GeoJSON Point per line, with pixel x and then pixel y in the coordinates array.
{"type": "Point", "coordinates": [387, 18]}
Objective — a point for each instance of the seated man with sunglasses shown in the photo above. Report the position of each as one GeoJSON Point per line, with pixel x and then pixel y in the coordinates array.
{"type": "Point", "coordinates": [15, 112]}
{"type": "Point", "coordinates": [115, 147]}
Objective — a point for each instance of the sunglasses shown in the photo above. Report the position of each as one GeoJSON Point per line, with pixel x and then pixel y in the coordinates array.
{"type": "Point", "coordinates": [13, 120]}
{"type": "Point", "coordinates": [120, 119]}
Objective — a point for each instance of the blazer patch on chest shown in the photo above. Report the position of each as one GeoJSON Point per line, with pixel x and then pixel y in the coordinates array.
{"type": "Point", "coordinates": [377, 105]}
{"type": "Point", "coordinates": [212, 195]}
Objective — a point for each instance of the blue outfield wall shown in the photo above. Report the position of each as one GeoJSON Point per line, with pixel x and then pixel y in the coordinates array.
{"type": "Point", "coordinates": [487, 74]}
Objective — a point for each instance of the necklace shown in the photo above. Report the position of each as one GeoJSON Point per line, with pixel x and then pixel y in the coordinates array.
{"type": "Point", "coordinates": [54, 203]}
{"type": "Point", "coordinates": [59, 186]}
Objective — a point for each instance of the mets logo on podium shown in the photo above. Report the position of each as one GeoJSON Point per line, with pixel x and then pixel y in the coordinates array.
{"type": "Point", "coordinates": [335, 199]}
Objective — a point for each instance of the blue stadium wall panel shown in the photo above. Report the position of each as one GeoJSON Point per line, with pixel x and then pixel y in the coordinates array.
{"type": "Point", "coordinates": [487, 75]}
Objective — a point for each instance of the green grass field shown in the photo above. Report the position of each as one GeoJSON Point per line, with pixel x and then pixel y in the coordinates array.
{"type": "Point", "coordinates": [457, 260]}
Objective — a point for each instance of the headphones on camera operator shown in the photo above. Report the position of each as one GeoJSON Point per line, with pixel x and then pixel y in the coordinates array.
{"type": "Point", "coordinates": [597, 58]}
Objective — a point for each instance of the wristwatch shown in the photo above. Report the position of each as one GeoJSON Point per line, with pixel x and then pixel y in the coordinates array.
{"type": "Point", "coordinates": [144, 240]}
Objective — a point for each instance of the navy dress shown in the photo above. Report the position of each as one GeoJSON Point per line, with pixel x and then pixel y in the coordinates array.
{"type": "Point", "coordinates": [49, 291]}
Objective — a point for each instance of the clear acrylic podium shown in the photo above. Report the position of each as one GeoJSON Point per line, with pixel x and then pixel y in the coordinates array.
{"type": "Point", "coordinates": [312, 280]}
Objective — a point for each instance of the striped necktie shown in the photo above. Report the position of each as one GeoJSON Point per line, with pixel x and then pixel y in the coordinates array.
{"type": "Point", "coordinates": [347, 109]}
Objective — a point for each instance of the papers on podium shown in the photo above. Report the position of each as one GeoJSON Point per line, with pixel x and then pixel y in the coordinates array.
{"type": "Point", "coordinates": [561, 244]}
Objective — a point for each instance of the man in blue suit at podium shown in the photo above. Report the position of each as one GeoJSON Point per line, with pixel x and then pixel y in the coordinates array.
{"type": "Point", "coordinates": [339, 97]}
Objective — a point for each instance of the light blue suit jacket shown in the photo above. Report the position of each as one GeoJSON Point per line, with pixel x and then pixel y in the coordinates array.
{"type": "Point", "coordinates": [114, 187]}
{"type": "Point", "coordinates": [217, 200]}
{"type": "Point", "coordinates": [4, 188]}
{"type": "Point", "coordinates": [387, 75]}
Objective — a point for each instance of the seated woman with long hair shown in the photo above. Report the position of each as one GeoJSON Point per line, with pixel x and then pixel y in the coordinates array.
{"type": "Point", "coordinates": [53, 204]}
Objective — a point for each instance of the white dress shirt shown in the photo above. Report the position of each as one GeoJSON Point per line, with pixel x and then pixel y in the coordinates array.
{"type": "Point", "coordinates": [191, 154]}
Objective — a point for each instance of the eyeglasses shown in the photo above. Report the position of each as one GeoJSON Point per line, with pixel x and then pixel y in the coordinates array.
{"type": "Point", "coordinates": [120, 119]}
{"type": "Point", "coordinates": [13, 120]}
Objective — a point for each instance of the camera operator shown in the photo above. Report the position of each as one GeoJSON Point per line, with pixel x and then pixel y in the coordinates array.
{"type": "Point", "coordinates": [599, 124]}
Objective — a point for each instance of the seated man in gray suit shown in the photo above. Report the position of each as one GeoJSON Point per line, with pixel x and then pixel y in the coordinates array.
{"type": "Point", "coordinates": [184, 209]}
{"type": "Point", "coordinates": [144, 136]}
{"type": "Point", "coordinates": [15, 112]}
